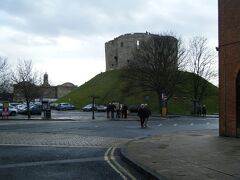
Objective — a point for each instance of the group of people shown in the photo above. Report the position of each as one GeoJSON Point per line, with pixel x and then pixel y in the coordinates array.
{"type": "Point", "coordinates": [122, 110]}
{"type": "Point", "coordinates": [201, 110]}
{"type": "Point", "coordinates": [119, 108]}
{"type": "Point", "coordinates": [144, 112]}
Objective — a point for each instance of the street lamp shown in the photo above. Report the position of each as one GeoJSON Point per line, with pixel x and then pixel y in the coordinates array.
{"type": "Point", "coordinates": [93, 103]}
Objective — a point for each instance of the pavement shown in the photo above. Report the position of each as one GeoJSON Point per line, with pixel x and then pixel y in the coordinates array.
{"type": "Point", "coordinates": [182, 156]}
{"type": "Point", "coordinates": [78, 115]}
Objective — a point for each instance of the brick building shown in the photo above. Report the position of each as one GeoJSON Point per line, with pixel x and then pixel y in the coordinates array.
{"type": "Point", "coordinates": [229, 67]}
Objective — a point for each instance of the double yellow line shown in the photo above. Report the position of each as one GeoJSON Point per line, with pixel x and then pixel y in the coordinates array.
{"type": "Point", "coordinates": [111, 160]}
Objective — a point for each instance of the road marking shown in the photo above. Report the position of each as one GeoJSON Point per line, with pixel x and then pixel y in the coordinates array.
{"type": "Point", "coordinates": [119, 166]}
{"type": "Point", "coordinates": [160, 125]}
{"type": "Point", "coordinates": [191, 124]}
{"type": "Point", "coordinates": [208, 123]}
{"type": "Point", "coordinates": [106, 158]}
{"type": "Point", "coordinates": [175, 124]}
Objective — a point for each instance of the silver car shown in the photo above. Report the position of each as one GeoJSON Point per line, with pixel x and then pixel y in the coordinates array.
{"type": "Point", "coordinates": [12, 110]}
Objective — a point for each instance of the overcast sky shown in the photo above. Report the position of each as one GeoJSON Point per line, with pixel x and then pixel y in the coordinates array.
{"type": "Point", "coordinates": [65, 38]}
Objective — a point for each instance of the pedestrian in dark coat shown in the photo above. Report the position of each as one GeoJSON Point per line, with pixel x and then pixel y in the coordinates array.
{"type": "Point", "coordinates": [147, 114]}
{"type": "Point", "coordinates": [204, 110]}
{"type": "Point", "coordinates": [112, 109]}
{"type": "Point", "coordinates": [108, 109]}
{"type": "Point", "coordinates": [124, 111]}
{"type": "Point", "coordinates": [199, 110]}
{"type": "Point", "coordinates": [141, 114]}
{"type": "Point", "coordinates": [117, 106]}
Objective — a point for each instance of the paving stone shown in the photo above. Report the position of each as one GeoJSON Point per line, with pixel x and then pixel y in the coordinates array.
{"type": "Point", "coordinates": [56, 139]}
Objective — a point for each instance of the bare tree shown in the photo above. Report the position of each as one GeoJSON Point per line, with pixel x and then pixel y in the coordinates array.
{"type": "Point", "coordinates": [155, 66]}
{"type": "Point", "coordinates": [4, 75]}
{"type": "Point", "coordinates": [26, 82]}
{"type": "Point", "coordinates": [201, 65]}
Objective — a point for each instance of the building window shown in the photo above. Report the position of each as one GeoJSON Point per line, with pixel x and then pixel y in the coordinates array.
{"type": "Point", "coordinates": [128, 61]}
{"type": "Point", "coordinates": [116, 60]}
{"type": "Point", "coordinates": [138, 43]}
{"type": "Point", "coordinates": [121, 44]}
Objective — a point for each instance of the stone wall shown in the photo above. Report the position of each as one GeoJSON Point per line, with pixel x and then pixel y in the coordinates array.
{"type": "Point", "coordinates": [229, 64]}
{"type": "Point", "coordinates": [63, 90]}
{"type": "Point", "coordinates": [46, 92]}
{"type": "Point", "coordinates": [49, 92]}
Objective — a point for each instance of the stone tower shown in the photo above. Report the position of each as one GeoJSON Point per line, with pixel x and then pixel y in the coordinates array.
{"type": "Point", "coordinates": [118, 52]}
{"type": "Point", "coordinates": [229, 67]}
{"type": "Point", "coordinates": [45, 80]}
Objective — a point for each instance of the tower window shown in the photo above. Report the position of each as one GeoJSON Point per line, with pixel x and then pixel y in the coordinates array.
{"type": "Point", "coordinates": [121, 44]}
{"type": "Point", "coordinates": [138, 43]}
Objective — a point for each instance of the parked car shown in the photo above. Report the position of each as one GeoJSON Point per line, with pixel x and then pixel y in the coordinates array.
{"type": "Point", "coordinates": [34, 110]}
{"type": "Point", "coordinates": [133, 108]}
{"type": "Point", "coordinates": [21, 106]}
{"type": "Point", "coordinates": [65, 106]}
{"type": "Point", "coordinates": [53, 105]}
{"type": "Point", "coordinates": [101, 108]}
{"type": "Point", "coordinates": [14, 104]}
{"type": "Point", "coordinates": [12, 110]}
{"type": "Point", "coordinates": [89, 107]}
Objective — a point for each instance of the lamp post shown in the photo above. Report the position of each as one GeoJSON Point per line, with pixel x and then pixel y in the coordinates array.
{"type": "Point", "coordinates": [93, 105]}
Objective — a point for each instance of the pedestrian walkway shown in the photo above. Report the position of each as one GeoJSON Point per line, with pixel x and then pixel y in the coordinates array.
{"type": "Point", "coordinates": [193, 155]}
{"type": "Point", "coordinates": [56, 140]}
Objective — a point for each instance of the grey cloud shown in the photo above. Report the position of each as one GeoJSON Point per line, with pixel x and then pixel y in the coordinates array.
{"type": "Point", "coordinates": [81, 17]}
{"type": "Point", "coordinates": [53, 18]}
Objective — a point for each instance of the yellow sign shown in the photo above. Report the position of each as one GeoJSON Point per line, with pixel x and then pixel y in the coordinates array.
{"type": "Point", "coordinates": [5, 105]}
{"type": "Point", "coordinates": [164, 111]}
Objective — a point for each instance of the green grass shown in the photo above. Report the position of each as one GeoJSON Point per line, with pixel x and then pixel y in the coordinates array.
{"type": "Point", "coordinates": [108, 87]}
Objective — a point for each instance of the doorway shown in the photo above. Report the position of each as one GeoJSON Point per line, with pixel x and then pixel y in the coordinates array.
{"type": "Point", "coordinates": [238, 103]}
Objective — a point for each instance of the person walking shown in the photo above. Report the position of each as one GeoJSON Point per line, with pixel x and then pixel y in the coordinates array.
{"type": "Point", "coordinates": [148, 113]}
{"type": "Point", "coordinates": [117, 105]}
{"type": "Point", "coordinates": [141, 114]}
{"type": "Point", "coordinates": [124, 111]}
{"type": "Point", "coordinates": [108, 110]}
{"type": "Point", "coordinates": [204, 110]}
{"type": "Point", "coordinates": [199, 109]}
{"type": "Point", "coordinates": [112, 109]}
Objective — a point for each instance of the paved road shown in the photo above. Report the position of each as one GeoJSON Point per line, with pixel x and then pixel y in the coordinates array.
{"type": "Point", "coordinates": [80, 148]}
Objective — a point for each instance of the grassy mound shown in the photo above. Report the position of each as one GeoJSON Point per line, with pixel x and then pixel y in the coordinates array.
{"type": "Point", "coordinates": [108, 87]}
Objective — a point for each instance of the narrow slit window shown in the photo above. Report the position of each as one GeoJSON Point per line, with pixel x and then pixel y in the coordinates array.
{"type": "Point", "coordinates": [116, 60]}
{"type": "Point", "coordinates": [138, 43]}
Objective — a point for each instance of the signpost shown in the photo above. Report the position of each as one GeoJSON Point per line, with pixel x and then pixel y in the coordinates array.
{"type": "Point", "coordinates": [46, 110]}
{"type": "Point", "coordinates": [5, 111]}
{"type": "Point", "coordinates": [164, 105]}
{"type": "Point", "coordinates": [93, 105]}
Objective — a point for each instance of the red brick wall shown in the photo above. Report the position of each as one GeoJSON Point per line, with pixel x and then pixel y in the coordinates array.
{"type": "Point", "coordinates": [229, 64]}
